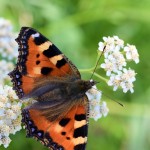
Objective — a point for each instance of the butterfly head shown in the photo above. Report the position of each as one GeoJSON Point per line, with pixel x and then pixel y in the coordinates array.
{"type": "Point", "coordinates": [86, 85]}
{"type": "Point", "coordinates": [92, 82]}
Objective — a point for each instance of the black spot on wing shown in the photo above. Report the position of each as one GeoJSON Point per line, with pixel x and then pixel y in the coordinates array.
{"type": "Point", "coordinates": [61, 63]}
{"type": "Point", "coordinates": [46, 70]}
{"type": "Point", "coordinates": [37, 62]}
{"type": "Point", "coordinates": [68, 138]}
{"type": "Point", "coordinates": [40, 40]}
{"type": "Point", "coordinates": [79, 117]}
{"type": "Point", "coordinates": [63, 122]}
{"type": "Point", "coordinates": [38, 55]}
{"type": "Point", "coordinates": [52, 51]}
{"type": "Point", "coordinates": [63, 133]}
{"type": "Point", "coordinates": [81, 131]}
{"type": "Point", "coordinates": [80, 147]}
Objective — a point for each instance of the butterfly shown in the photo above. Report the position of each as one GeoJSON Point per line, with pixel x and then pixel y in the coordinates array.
{"type": "Point", "coordinates": [59, 117]}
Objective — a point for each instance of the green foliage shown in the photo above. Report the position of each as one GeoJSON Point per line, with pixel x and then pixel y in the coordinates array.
{"type": "Point", "coordinates": [76, 27]}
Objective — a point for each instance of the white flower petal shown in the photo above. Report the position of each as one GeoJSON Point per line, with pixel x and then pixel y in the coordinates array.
{"type": "Point", "coordinates": [131, 90]}
{"type": "Point", "coordinates": [115, 88]}
{"type": "Point", "coordinates": [101, 46]}
{"type": "Point", "coordinates": [103, 65]}
{"type": "Point", "coordinates": [108, 73]}
{"type": "Point", "coordinates": [104, 109]}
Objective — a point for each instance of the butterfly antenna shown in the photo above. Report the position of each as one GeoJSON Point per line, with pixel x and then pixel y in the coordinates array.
{"type": "Point", "coordinates": [110, 98]}
{"type": "Point", "coordinates": [114, 100]}
{"type": "Point", "coordinates": [97, 62]}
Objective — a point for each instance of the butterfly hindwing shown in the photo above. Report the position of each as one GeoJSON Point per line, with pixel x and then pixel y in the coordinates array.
{"type": "Point", "coordinates": [66, 133]}
{"type": "Point", "coordinates": [38, 58]}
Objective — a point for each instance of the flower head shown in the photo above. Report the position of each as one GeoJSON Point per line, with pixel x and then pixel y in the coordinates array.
{"type": "Point", "coordinates": [131, 53]}
{"type": "Point", "coordinates": [8, 49]}
{"type": "Point", "coordinates": [104, 109]}
{"type": "Point", "coordinates": [8, 46]}
{"type": "Point", "coordinates": [115, 62]}
{"type": "Point", "coordinates": [5, 68]}
{"type": "Point", "coordinates": [10, 114]}
{"type": "Point", "coordinates": [95, 106]}
{"type": "Point", "coordinates": [114, 81]}
{"type": "Point", "coordinates": [109, 66]}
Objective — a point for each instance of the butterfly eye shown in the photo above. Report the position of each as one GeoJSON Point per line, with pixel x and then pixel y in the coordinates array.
{"type": "Point", "coordinates": [93, 82]}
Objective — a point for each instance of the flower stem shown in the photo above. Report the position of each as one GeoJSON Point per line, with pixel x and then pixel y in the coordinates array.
{"type": "Point", "coordinates": [102, 78]}
{"type": "Point", "coordinates": [86, 70]}
{"type": "Point", "coordinates": [95, 74]}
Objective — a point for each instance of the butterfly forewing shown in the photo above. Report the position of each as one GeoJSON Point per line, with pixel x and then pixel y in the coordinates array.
{"type": "Point", "coordinates": [38, 57]}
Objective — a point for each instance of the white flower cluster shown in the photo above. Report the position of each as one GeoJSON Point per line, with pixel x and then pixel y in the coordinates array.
{"type": "Point", "coordinates": [97, 108]}
{"type": "Point", "coordinates": [5, 68]}
{"type": "Point", "coordinates": [10, 114]}
{"type": "Point", "coordinates": [116, 56]}
{"type": "Point", "coordinates": [8, 46]}
{"type": "Point", "coordinates": [8, 49]}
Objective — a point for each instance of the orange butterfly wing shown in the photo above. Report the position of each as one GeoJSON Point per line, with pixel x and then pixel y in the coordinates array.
{"type": "Point", "coordinates": [67, 133]}
{"type": "Point", "coordinates": [38, 57]}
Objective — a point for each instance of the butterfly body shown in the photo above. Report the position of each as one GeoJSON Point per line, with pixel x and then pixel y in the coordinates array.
{"type": "Point", "coordinates": [54, 88]}
{"type": "Point", "coordinates": [59, 117]}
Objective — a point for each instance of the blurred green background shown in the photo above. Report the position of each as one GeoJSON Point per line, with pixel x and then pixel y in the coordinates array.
{"type": "Point", "coordinates": [76, 27]}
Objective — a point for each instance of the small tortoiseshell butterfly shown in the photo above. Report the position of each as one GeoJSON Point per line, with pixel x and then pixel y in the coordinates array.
{"type": "Point", "coordinates": [59, 117]}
